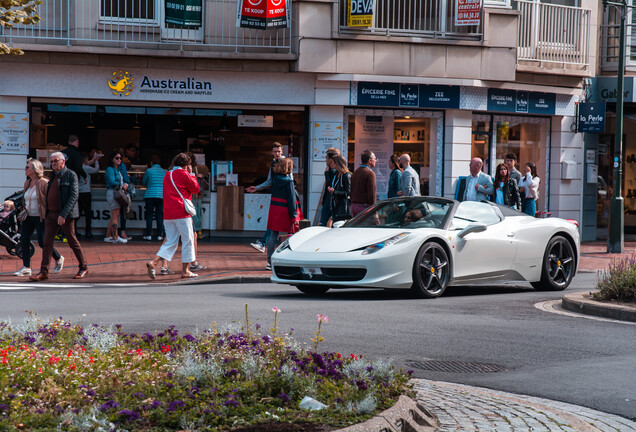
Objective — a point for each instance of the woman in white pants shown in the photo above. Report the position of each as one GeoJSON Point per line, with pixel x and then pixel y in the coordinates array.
{"type": "Point", "coordinates": [178, 184]}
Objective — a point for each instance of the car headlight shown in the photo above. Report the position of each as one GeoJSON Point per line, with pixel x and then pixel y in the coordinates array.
{"type": "Point", "coordinates": [388, 242]}
{"type": "Point", "coordinates": [284, 245]}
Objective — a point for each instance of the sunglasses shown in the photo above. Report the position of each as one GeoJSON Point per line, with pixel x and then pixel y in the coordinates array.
{"type": "Point", "coordinates": [117, 157]}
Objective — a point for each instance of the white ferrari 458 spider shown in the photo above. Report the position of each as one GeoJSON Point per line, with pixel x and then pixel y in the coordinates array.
{"type": "Point", "coordinates": [426, 243]}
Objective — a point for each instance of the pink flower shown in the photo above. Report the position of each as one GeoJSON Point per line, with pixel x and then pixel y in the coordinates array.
{"type": "Point", "coordinates": [322, 318]}
{"type": "Point", "coordinates": [275, 309]}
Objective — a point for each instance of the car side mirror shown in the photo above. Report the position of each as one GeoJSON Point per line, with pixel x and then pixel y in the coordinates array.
{"type": "Point", "coordinates": [338, 224]}
{"type": "Point", "coordinates": [472, 228]}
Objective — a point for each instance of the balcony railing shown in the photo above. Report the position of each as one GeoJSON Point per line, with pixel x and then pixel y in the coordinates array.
{"type": "Point", "coordinates": [141, 25]}
{"type": "Point", "coordinates": [610, 36]}
{"type": "Point", "coordinates": [551, 33]}
{"type": "Point", "coordinates": [414, 18]}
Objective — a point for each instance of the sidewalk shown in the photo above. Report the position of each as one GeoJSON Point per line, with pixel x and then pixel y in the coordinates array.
{"type": "Point", "coordinates": [237, 262]}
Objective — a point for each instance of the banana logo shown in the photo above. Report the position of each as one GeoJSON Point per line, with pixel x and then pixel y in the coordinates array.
{"type": "Point", "coordinates": [121, 84]}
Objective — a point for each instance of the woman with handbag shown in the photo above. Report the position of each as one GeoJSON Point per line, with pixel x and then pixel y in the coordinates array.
{"type": "Point", "coordinates": [340, 190]}
{"type": "Point", "coordinates": [178, 186]}
{"type": "Point", "coordinates": [283, 209]}
{"type": "Point", "coordinates": [32, 215]}
{"type": "Point", "coordinates": [116, 183]}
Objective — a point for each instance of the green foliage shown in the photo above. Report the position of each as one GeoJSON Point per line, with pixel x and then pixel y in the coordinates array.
{"type": "Point", "coordinates": [21, 12]}
{"type": "Point", "coordinates": [618, 282]}
{"type": "Point", "coordinates": [58, 375]}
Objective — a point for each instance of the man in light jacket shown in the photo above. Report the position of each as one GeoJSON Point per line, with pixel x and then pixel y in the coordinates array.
{"type": "Point", "coordinates": [410, 180]}
{"type": "Point", "coordinates": [478, 184]}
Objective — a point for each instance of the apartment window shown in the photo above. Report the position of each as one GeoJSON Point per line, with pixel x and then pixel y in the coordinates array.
{"type": "Point", "coordinates": [138, 11]}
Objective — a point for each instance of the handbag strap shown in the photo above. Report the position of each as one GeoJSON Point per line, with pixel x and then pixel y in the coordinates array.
{"type": "Point", "coordinates": [175, 186]}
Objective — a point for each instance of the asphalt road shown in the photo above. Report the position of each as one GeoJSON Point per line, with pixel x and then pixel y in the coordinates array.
{"type": "Point", "coordinates": [576, 360]}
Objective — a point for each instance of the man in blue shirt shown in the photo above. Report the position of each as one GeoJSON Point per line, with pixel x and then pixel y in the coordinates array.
{"type": "Point", "coordinates": [153, 180]}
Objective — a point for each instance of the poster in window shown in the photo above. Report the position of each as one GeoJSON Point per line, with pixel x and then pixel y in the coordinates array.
{"type": "Point", "coordinates": [14, 133]}
{"type": "Point", "coordinates": [263, 14]}
{"type": "Point", "coordinates": [359, 13]}
{"type": "Point", "coordinates": [184, 13]}
{"type": "Point", "coordinates": [326, 135]}
{"type": "Point", "coordinates": [467, 12]}
{"type": "Point", "coordinates": [375, 133]}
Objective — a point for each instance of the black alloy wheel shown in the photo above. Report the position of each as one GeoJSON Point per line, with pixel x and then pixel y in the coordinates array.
{"type": "Point", "coordinates": [558, 266]}
{"type": "Point", "coordinates": [431, 271]}
{"type": "Point", "coordinates": [312, 289]}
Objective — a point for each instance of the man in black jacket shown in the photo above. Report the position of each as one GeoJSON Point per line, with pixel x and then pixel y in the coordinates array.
{"type": "Point", "coordinates": [74, 157]}
{"type": "Point", "coordinates": [61, 208]}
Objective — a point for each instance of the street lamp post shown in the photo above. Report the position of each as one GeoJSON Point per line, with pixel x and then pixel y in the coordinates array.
{"type": "Point", "coordinates": [615, 239]}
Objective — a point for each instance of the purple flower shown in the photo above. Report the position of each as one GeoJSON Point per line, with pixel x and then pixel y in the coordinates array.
{"type": "Point", "coordinates": [130, 415]}
{"type": "Point", "coordinates": [4, 407]}
{"type": "Point", "coordinates": [284, 397]}
{"type": "Point", "coordinates": [90, 393]}
{"type": "Point", "coordinates": [231, 402]}
{"type": "Point", "coordinates": [189, 337]}
{"type": "Point", "coordinates": [108, 405]}
{"type": "Point", "coordinates": [172, 406]}
{"type": "Point", "coordinates": [139, 395]}
{"type": "Point", "coordinates": [155, 404]}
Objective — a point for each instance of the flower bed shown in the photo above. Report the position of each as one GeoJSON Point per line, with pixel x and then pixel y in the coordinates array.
{"type": "Point", "coordinates": [618, 282]}
{"type": "Point", "coordinates": [58, 375]}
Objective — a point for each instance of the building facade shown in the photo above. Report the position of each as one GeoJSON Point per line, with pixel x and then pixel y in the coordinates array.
{"type": "Point", "coordinates": [414, 79]}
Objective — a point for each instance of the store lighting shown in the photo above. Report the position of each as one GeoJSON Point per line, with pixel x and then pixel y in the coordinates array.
{"type": "Point", "coordinates": [178, 127]}
{"type": "Point", "coordinates": [91, 123]}
{"type": "Point", "coordinates": [224, 127]}
{"type": "Point", "coordinates": [136, 125]}
{"type": "Point", "coordinates": [49, 120]}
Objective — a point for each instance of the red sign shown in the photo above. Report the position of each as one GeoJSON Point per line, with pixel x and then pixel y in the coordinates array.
{"type": "Point", "coordinates": [263, 14]}
{"type": "Point", "coordinates": [467, 12]}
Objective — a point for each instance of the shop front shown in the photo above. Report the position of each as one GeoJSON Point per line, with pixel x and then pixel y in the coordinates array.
{"type": "Point", "coordinates": [228, 120]}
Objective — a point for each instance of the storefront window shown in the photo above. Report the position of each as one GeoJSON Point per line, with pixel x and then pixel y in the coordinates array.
{"type": "Point", "coordinates": [385, 135]}
{"type": "Point", "coordinates": [528, 139]}
{"type": "Point", "coordinates": [481, 139]}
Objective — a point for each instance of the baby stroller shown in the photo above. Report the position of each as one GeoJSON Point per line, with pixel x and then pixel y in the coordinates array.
{"type": "Point", "coordinates": [9, 229]}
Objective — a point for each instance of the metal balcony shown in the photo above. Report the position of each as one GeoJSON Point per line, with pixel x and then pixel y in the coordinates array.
{"type": "Point", "coordinates": [140, 25]}
{"type": "Point", "coordinates": [553, 34]}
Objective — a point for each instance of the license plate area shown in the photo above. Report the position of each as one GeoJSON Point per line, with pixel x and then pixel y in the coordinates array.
{"type": "Point", "coordinates": [311, 271]}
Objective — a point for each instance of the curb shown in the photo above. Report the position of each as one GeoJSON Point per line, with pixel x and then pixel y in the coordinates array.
{"type": "Point", "coordinates": [222, 280]}
{"type": "Point", "coordinates": [405, 415]}
{"type": "Point", "coordinates": [582, 302]}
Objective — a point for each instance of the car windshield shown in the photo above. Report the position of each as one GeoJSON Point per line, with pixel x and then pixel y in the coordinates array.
{"type": "Point", "coordinates": [425, 212]}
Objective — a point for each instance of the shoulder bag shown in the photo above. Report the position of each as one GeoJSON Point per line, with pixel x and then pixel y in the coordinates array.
{"type": "Point", "coordinates": [187, 204]}
{"type": "Point", "coordinates": [120, 195]}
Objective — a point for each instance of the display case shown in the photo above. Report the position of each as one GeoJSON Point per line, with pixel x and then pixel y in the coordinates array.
{"type": "Point", "coordinates": [219, 171]}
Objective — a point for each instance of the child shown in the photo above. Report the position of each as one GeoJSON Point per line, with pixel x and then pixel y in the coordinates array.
{"type": "Point", "coordinates": [8, 207]}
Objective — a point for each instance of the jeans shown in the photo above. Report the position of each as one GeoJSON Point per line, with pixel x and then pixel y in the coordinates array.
{"type": "Point", "coordinates": [530, 207]}
{"type": "Point", "coordinates": [154, 209]}
{"type": "Point", "coordinates": [30, 224]}
{"type": "Point", "coordinates": [325, 212]}
{"type": "Point", "coordinates": [50, 229]}
{"type": "Point", "coordinates": [272, 244]}
{"type": "Point", "coordinates": [265, 239]}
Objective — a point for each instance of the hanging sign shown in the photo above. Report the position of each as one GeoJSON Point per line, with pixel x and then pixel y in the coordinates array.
{"type": "Point", "coordinates": [184, 13]}
{"type": "Point", "coordinates": [591, 117]}
{"type": "Point", "coordinates": [14, 133]}
{"type": "Point", "coordinates": [467, 12]}
{"type": "Point", "coordinates": [263, 14]}
{"type": "Point", "coordinates": [359, 13]}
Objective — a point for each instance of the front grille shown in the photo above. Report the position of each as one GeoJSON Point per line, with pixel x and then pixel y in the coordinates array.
{"type": "Point", "coordinates": [334, 274]}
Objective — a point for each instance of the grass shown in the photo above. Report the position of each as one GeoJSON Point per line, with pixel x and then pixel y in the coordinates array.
{"type": "Point", "coordinates": [618, 282]}
{"type": "Point", "coordinates": [59, 375]}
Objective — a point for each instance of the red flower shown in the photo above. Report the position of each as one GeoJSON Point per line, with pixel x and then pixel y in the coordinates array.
{"type": "Point", "coordinates": [353, 356]}
{"type": "Point", "coordinates": [141, 352]}
{"type": "Point", "coordinates": [70, 352]}
{"type": "Point", "coordinates": [165, 349]}
{"type": "Point", "coordinates": [40, 370]}
{"type": "Point", "coordinates": [53, 360]}
{"type": "Point", "coordinates": [339, 355]}
{"type": "Point", "coordinates": [4, 360]}
{"type": "Point", "coordinates": [71, 366]}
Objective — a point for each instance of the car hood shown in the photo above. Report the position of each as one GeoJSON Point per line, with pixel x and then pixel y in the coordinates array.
{"type": "Point", "coordinates": [329, 240]}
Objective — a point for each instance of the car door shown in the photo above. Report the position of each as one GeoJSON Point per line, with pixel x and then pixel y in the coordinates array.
{"type": "Point", "coordinates": [489, 253]}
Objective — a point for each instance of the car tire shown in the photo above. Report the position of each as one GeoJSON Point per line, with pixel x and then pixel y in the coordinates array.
{"type": "Point", "coordinates": [431, 271]}
{"type": "Point", "coordinates": [312, 289]}
{"type": "Point", "coordinates": [557, 268]}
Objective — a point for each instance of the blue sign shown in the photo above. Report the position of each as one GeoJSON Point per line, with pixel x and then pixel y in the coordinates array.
{"type": "Point", "coordinates": [439, 96]}
{"type": "Point", "coordinates": [379, 94]}
{"type": "Point", "coordinates": [542, 103]}
{"type": "Point", "coordinates": [409, 95]}
{"type": "Point", "coordinates": [522, 101]}
{"type": "Point", "coordinates": [591, 117]}
{"type": "Point", "coordinates": [502, 100]}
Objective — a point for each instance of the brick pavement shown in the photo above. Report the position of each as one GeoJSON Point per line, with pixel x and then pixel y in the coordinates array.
{"type": "Point", "coordinates": [465, 408]}
{"type": "Point", "coordinates": [124, 263]}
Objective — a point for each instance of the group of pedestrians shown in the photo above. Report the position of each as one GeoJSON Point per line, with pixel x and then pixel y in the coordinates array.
{"type": "Point", "coordinates": [509, 188]}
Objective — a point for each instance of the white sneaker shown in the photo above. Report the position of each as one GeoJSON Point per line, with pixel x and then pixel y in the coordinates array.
{"type": "Point", "coordinates": [147, 238]}
{"type": "Point", "coordinates": [159, 238]}
{"type": "Point", "coordinates": [108, 239]}
{"type": "Point", "coordinates": [197, 267]}
{"type": "Point", "coordinates": [268, 267]}
{"type": "Point", "coordinates": [258, 246]}
{"type": "Point", "coordinates": [120, 240]}
{"type": "Point", "coordinates": [59, 265]}
{"type": "Point", "coordinates": [24, 271]}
